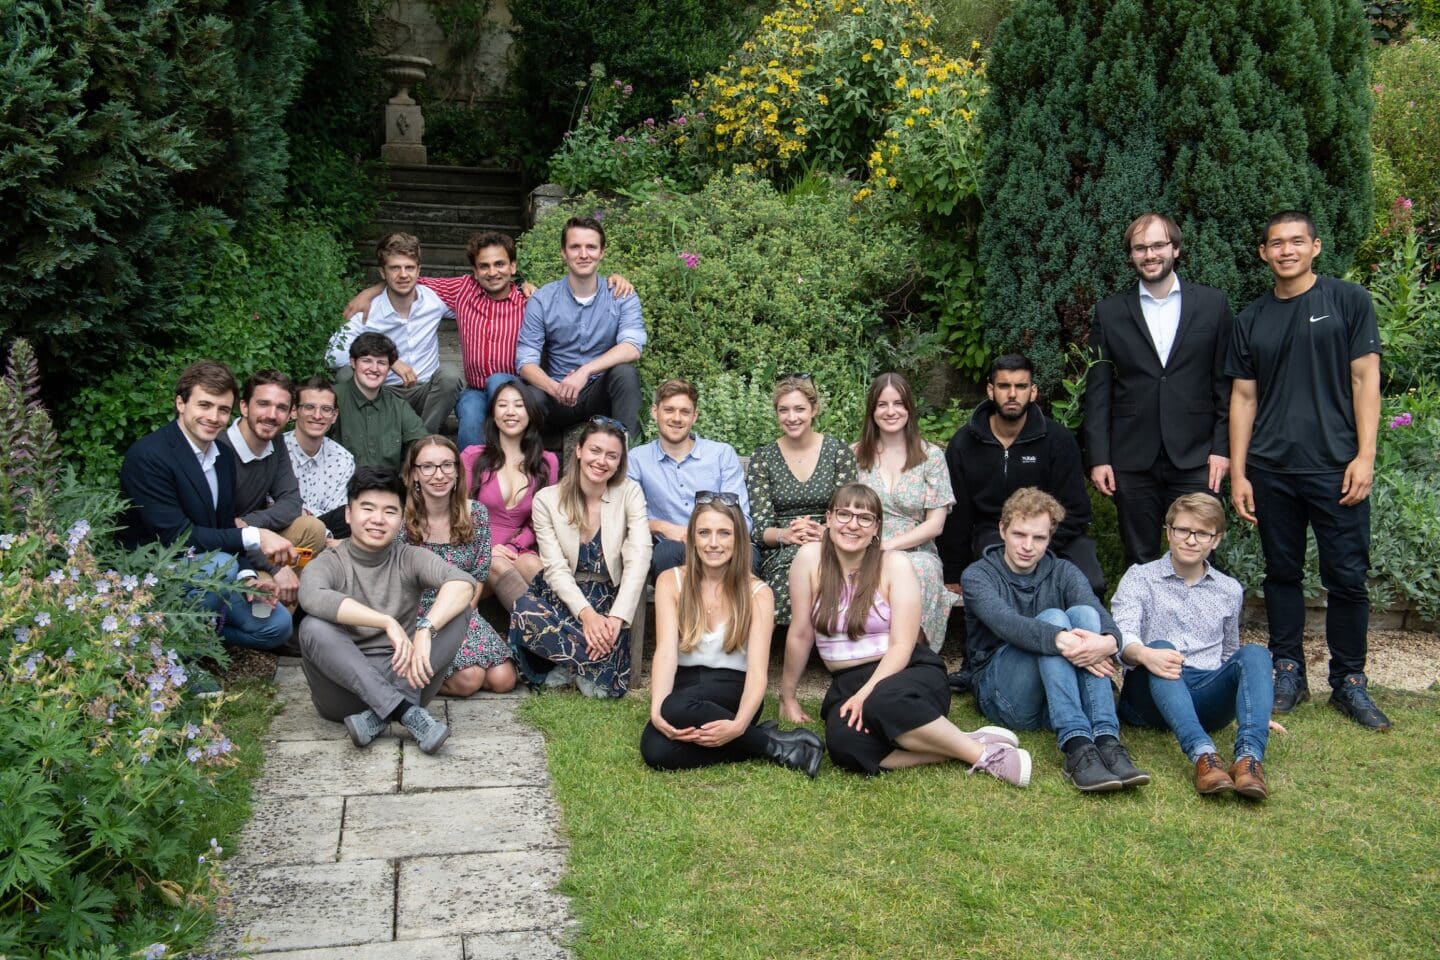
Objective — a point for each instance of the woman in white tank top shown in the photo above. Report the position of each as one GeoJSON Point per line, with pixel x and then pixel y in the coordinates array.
{"type": "Point", "coordinates": [713, 621]}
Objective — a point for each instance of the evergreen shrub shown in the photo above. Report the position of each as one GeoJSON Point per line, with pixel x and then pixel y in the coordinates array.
{"type": "Point", "coordinates": [740, 283]}
{"type": "Point", "coordinates": [1217, 112]}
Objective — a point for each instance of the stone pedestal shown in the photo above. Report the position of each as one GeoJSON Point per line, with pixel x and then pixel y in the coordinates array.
{"type": "Point", "coordinates": [404, 124]}
{"type": "Point", "coordinates": [543, 198]}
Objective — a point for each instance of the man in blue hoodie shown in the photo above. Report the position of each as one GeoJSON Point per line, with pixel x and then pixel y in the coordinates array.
{"type": "Point", "coordinates": [1043, 647]}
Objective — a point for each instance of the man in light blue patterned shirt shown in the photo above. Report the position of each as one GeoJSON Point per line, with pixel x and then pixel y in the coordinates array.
{"type": "Point", "coordinates": [1179, 620]}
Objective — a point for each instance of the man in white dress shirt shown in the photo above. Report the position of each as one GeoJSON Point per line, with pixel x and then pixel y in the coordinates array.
{"type": "Point", "coordinates": [409, 314]}
{"type": "Point", "coordinates": [322, 466]}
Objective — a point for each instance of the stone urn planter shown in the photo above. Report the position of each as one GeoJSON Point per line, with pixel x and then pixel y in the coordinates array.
{"type": "Point", "coordinates": [404, 124]}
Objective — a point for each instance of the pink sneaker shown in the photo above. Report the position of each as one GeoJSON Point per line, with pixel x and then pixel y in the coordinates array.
{"type": "Point", "coordinates": [989, 736]}
{"type": "Point", "coordinates": [1005, 762]}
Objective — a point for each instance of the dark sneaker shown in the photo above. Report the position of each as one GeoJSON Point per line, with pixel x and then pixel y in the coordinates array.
{"type": "Point", "coordinates": [202, 682]}
{"type": "Point", "coordinates": [428, 732]}
{"type": "Point", "coordinates": [1117, 758]}
{"type": "Point", "coordinates": [1352, 699]}
{"type": "Point", "coordinates": [364, 727]}
{"type": "Point", "coordinates": [1210, 775]}
{"type": "Point", "coordinates": [798, 749]}
{"type": "Point", "coordinates": [1291, 690]}
{"type": "Point", "coordinates": [1087, 772]}
{"type": "Point", "coordinates": [1005, 762]}
{"type": "Point", "coordinates": [1249, 778]}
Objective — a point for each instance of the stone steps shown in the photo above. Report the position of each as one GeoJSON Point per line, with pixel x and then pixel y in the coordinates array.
{"type": "Point", "coordinates": [443, 206]}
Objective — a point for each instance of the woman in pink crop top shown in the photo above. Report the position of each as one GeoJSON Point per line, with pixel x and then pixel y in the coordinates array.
{"type": "Point", "coordinates": [887, 706]}
{"type": "Point", "coordinates": [713, 621]}
{"type": "Point", "coordinates": [504, 474]}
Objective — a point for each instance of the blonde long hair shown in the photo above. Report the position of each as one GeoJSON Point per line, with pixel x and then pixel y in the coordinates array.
{"type": "Point", "coordinates": [734, 580]}
{"type": "Point", "coordinates": [462, 530]}
{"type": "Point", "coordinates": [831, 591]}
{"type": "Point", "coordinates": [571, 499]}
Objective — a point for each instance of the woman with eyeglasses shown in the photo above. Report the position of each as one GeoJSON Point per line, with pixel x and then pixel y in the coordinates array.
{"type": "Point", "coordinates": [593, 533]}
{"type": "Point", "coordinates": [713, 621]}
{"type": "Point", "coordinates": [504, 474]}
{"type": "Point", "coordinates": [790, 481]}
{"type": "Point", "coordinates": [858, 604]}
{"type": "Point", "coordinates": [439, 517]}
{"type": "Point", "coordinates": [912, 481]}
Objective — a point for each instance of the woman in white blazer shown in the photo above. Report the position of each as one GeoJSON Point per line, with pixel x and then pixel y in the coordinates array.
{"type": "Point", "coordinates": [593, 534]}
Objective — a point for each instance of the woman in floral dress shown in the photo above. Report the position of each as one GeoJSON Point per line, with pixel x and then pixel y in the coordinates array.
{"type": "Point", "coordinates": [913, 483]}
{"type": "Point", "coordinates": [790, 483]}
{"type": "Point", "coordinates": [573, 624]}
{"type": "Point", "coordinates": [439, 517]}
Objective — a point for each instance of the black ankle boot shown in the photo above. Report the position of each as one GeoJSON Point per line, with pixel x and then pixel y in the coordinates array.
{"type": "Point", "coordinates": [797, 749]}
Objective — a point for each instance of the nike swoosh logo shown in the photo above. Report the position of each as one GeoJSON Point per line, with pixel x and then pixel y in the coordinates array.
{"type": "Point", "coordinates": [1319, 318]}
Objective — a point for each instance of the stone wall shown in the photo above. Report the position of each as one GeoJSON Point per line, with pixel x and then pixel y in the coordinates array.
{"type": "Point", "coordinates": [410, 28]}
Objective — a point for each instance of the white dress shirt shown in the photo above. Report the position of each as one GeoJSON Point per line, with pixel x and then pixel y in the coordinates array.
{"type": "Point", "coordinates": [415, 336]}
{"type": "Point", "coordinates": [1162, 316]}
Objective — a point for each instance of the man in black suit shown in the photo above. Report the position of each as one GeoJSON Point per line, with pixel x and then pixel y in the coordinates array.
{"type": "Point", "coordinates": [181, 487]}
{"type": "Point", "coordinates": [1157, 401]}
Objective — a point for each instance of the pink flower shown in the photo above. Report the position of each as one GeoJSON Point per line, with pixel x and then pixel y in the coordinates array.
{"type": "Point", "coordinates": [621, 139]}
{"type": "Point", "coordinates": [1378, 88]}
{"type": "Point", "coordinates": [649, 121]}
{"type": "Point", "coordinates": [692, 260]}
{"type": "Point", "coordinates": [1404, 420]}
{"type": "Point", "coordinates": [628, 90]}
{"type": "Point", "coordinates": [617, 84]}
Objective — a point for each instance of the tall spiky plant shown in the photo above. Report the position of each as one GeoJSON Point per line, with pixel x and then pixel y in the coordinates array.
{"type": "Point", "coordinates": [29, 450]}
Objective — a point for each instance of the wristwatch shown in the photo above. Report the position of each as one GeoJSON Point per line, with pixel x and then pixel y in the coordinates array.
{"type": "Point", "coordinates": [423, 623]}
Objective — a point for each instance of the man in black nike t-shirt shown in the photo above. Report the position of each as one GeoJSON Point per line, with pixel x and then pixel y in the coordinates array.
{"type": "Point", "coordinates": [1304, 414]}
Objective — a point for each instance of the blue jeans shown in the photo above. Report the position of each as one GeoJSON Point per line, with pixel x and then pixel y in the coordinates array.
{"type": "Point", "coordinates": [1285, 503]}
{"type": "Point", "coordinates": [1206, 700]}
{"type": "Point", "coordinates": [472, 406]}
{"type": "Point", "coordinates": [241, 628]}
{"type": "Point", "coordinates": [1031, 691]}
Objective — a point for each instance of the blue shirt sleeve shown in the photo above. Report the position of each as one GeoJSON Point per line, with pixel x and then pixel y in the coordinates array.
{"type": "Point", "coordinates": [532, 332]}
{"type": "Point", "coordinates": [631, 323]}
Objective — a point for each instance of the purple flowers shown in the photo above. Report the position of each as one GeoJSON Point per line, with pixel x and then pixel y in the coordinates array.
{"type": "Point", "coordinates": [156, 950]}
{"type": "Point", "coordinates": [42, 619]}
{"type": "Point", "coordinates": [129, 582]}
{"type": "Point", "coordinates": [7, 540]}
{"type": "Point", "coordinates": [692, 260]}
{"type": "Point", "coordinates": [1404, 420]}
{"type": "Point", "coordinates": [110, 624]}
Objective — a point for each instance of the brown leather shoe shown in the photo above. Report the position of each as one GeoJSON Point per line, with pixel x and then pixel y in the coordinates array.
{"type": "Point", "coordinates": [1210, 775]}
{"type": "Point", "coordinates": [1249, 777]}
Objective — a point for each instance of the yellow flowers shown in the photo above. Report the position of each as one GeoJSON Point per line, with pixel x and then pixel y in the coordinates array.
{"type": "Point", "coordinates": [877, 44]}
{"type": "Point", "coordinates": [900, 83]}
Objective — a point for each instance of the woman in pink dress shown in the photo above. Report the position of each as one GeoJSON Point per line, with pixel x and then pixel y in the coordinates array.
{"type": "Point", "coordinates": [504, 474]}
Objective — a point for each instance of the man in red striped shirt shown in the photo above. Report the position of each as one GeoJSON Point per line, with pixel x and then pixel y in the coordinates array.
{"type": "Point", "coordinates": [489, 307]}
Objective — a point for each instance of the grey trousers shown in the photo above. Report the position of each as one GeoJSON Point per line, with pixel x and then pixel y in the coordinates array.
{"type": "Point", "coordinates": [432, 400]}
{"type": "Point", "coordinates": [346, 677]}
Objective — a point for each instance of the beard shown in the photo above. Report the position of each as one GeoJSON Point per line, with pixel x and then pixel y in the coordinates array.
{"type": "Point", "coordinates": [1013, 417]}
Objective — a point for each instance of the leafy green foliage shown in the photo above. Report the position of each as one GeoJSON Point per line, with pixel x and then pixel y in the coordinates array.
{"type": "Point", "coordinates": [128, 126]}
{"type": "Point", "coordinates": [659, 46]}
{"type": "Point", "coordinates": [1388, 19]}
{"type": "Point", "coordinates": [1407, 100]}
{"type": "Point", "coordinates": [739, 283]}
{"type": "Point", "coordinates": [598, 155]}
{"type": "Point", "coordinates": [272, 300]}
{"type": "Point", "coordinates": [1407, 305]}
{"type": "Point", "coordinates": [29, 453]}
{"type": "Point", "coordinates": [1216, 112]}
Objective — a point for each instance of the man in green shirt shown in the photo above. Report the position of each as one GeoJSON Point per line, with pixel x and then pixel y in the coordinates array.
{"type": "Point", "coordinates": [373, 423]}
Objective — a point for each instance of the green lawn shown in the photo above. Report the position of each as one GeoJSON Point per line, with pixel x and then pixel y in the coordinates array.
{"type": "Point", "coordinates": [754, 861]}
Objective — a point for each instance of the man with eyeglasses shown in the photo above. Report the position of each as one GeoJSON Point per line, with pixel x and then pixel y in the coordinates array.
{"type": "Point", "coordinates": [579, 342]}
{"type": "Point", "coordinates": [675, 467]}
{"type": "Point", "coordinates": [322, 467]}
{"type": "Point", "coordinates": [1157, 399]}
{"type": "Point", "coordinates": [1304, 419]}
{"type": "Point", "coordinates": [1179, 619]}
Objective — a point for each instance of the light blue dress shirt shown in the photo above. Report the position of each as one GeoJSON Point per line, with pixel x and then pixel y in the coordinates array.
{"type": "Point", "coordinates": [670, 486]}
{"type": "Point", "coordinates": [569, 333]}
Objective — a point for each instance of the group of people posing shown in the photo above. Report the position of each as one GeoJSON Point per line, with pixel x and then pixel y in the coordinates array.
{"type": "Point", "coordinates": [860, 551]}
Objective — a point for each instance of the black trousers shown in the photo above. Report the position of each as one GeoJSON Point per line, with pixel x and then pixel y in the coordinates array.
{"type": "Point", "coordinates": [1143, 496]}
{"type": "Point", "coordinates": [701, 694]}
{"type": "Point", "coordinates": [904, 701]}
{"type": "Point", "coordinates": [614, 393]}
{"type": "Point", "coordinates": [1285, 503]}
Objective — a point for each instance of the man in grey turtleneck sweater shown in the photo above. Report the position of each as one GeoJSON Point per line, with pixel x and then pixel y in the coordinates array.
{"type": "Point", "coordinates": [368, 658]}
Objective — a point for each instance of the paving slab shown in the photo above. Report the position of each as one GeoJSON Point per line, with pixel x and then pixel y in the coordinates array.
{"type": "Point", "coordinates": [486, 718]}
{"type": "Point", "coordinates": [430, 948]}
{"type": "Point", "coordinates": [481, 893]}
{"type": "Point", "coordinates": [450, 821]}
{"type": "Point", "coordinates": [477, 762]}
{"type": "Point", "coordinates": [285, 830]}
{"type": "Point", "coordinates": [298, 720]}
{"type": "Point", "coordinates": [317, 768]}
{"type": "Point", "coordinates": [515, 945]}
{"type": "Point", "coordinates": [309, 905]}
{"type": "Point", "coordinates": [519, 693]}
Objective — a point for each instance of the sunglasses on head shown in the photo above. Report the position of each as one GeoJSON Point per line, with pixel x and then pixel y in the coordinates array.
{"type": "Point", "coordinates": [703, 497]}
{"type": "Point", "coordinates": [611, 422]}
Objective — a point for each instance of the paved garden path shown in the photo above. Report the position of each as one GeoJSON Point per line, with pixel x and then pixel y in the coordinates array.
{"type": "Point", "coordinates": [388, 853]}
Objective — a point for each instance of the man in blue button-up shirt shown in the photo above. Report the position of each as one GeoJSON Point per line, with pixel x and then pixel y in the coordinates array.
{"type": "Point", "coordinates": [673, 468]}
{"type": "Point", "coordinates": [588, 340]}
